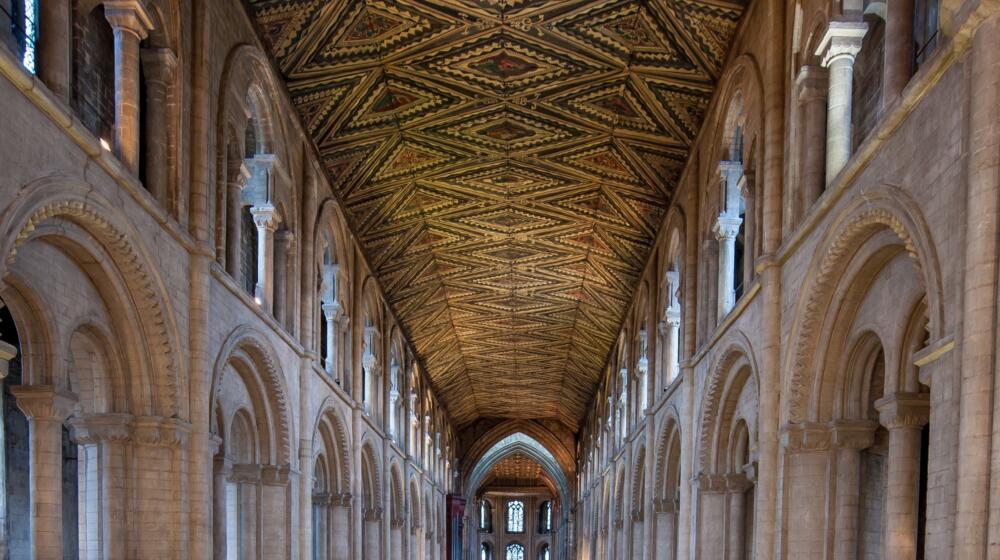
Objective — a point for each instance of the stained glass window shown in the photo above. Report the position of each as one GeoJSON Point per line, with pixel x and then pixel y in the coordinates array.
{"type": "Point", "coordinates": [515, 551]}
{"type": "Point", "coordinates": [22, 18]}
{"type": "Point", "coordinates": [515, 517]}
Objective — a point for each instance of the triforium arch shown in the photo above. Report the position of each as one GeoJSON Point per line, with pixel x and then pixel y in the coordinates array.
{"type": "Point", "coordinates": [247, 354]}
{"type": "Point", "coordinates": [84, 226]}
{"type": "Point", "coordinates": [332, 485]}
{"type": "Point", "coordinates": [880, 210]}
{"type": "Point", "coordinates": [667, 484]}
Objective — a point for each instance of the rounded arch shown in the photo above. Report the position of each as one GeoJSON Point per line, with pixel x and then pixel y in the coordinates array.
{"type": "Point", "coordinates": [94, 373]}
{"type": "Point", "coordinates": [253, 358]}
{"type": "Point", "coordinates": [743, 83]}
{"type": "Point", "coordinates": [873, 210]}
{"type": "Point", "coordinates": [667, 454]}
{"type": "Point", "coordinates": [39, 209]}
{"type": "Point", "coordinates": [638, 485]}
{"type": "Point", "coordinates": [329, 428]}
{"type": "Point", "coordinates": [371, 481]}
{"type": "Point", "coordinates": [735, 367]}
{"type": "Point", "coordinates": [415, 511]}
{"type": "Point", "coordinates": [397, 496]}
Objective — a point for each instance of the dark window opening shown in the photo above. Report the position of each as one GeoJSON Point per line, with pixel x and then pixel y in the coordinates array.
{"type": "Point", "coordinates": [248, 245]}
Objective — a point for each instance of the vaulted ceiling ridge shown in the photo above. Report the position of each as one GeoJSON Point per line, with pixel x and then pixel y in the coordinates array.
{"type": "Point", "coordinates": [506, 165]}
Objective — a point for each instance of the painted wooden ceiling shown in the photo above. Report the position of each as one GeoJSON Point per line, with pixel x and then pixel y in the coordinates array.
{"type": "Point", "coordinates": [506, 165]}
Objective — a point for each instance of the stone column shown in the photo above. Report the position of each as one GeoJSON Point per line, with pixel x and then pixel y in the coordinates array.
{"type": "Point", "coordinates": [330, 313]}
{"type": "Point", "coordinates": [131, 23]}
{"type": "Point", "coordinates": [840, 44]}
{"type": "Point", "coordinates": [898, 49]}
{"type": "Point", "coordinates": [737, 485]}
{"type": "Point", "coordinates": [46, 409]}
{"type": "Point", "coordinates": [341, 528]}
{"type": "Point", "coordinates": [283, 248]}
{"type": "Point", "coordinates": [55, 51]}
{"type": "Point", "coordinates": [220, 486]}
{"type": "Point", "coordinates": [264, 219]}
{"type": "Point", "coordinates": [104, 438]}
{"type": "Point", "coordinates": [7, 353]}
{"type": "Point", "coordinates": [904, 415]}
{"type": "Point", "coordinates": [373, 534]}
{"type": "Point", "coordinates": [848, 438]}
{"type": "Point", "coordinates": [246, 481]}
{"type": "Point", "coordinates": [233, 219]}
{"type": "Point", "coordinates": [812, 84]}
{"type": "Point", "coordinates": [727, 227]}
{"type": "Point", "coordinates": [160, 66]}
{"type": "Point", "coordinates": [670, 328]}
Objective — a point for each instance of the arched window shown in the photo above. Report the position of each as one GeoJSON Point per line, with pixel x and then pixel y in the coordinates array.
{"type": "Point", "coordinates": [19, 29]}
{"type": "Point", "coordinates": [545, 517]}
{"type": "Point", "coordinates": [515, 552]}
{"type": "Point", "coordinates": [515, 518]}
{"type": "Point", "coordinates": [543, 553]}
{"type": "Point", "coordinates": [485, 552]}
{"type": "Point", "coordinates": [485, 516]}
{"type": "Point", "coordinates": [94, 71]}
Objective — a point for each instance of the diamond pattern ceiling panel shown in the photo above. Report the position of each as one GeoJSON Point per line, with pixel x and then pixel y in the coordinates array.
{"type": "Point", "coordinates": [506, 164]}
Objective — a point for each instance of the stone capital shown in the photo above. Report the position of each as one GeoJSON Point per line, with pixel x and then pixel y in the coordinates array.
{"type": "Point", "coordinates": [7, 353]}
{"type": "Point", "coordinates": [245, 474]}
{"type": "Point", "coordinates": [264, 216]}
{"type": "Point", "coordinates": [806, 436]}
{"type": "Point", "coordinates": [341, 500]}
{"type": "Point", "coordinates": [322, 499]}
{"type": "Point", "coordinates": [159, 65]}
{"type": "Point", "coordinates": [710, 482]}
{"type": "Point", "coordinates": [101, 428]}
{"type": "Point", "coordinates": [727, 227]}
{"type": "Point", "coordinates": [813, 83]}
{"type": "Point", "coordinates": [841, 40]}
{"type": "Point", "coordinates": [664, 505]}
{"type": "Point", "coordinates": [44, 402]}
{"type": "Point", "coordinates": [853, 434]}
{"type": "Point", "coordinates": [904, 410]}
{"type": "Point", "coordinates": [373, 514]}
{"type": "Point", "coordinates": [158, 431]}
{"type": "Point", "coordinates": [129, 15]}
{"type": "Point", "coordinates": [275, 475]}
{"type": "Point", "coordinates": [738, 482]}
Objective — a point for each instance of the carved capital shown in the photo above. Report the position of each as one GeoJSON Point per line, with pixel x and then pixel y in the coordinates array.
{"type": "Point", "coordinates": [853, 434]}
{"type": "Point", "coordinates": [904, 410]}
{"type": "Point", "coordinates": [159, 65]}
{"type": "Point", "coordinates": [342, 500]}
{"type": "Point", "coordinates": [129, 15]}
{"type": "Point", "coordinates": [397, 522]}
{"type": "Point", "coordinates": [101, 428]}
{"type": "Point", "coordinates": [635, 514]}
{"type": "Point", "coordinates": [373, 514]}
{"type": "Point", "coordinates": [842, 40]}
{"type": "Point", "coordinates": [806, 436]}
{"type": "Point", "coordinates": [727, 227]}
{"type": "Point", "coordinates": [154, 430]}
{"type": "Point", "coordinates": [245, 474]}
{"type": "Point", "coordinates": [664, 505]}
{"type": "Point", "coordinates": [264, 217]}
{"type": "Point", "coordinates": [7, 353]}
{"type": "Point", "coordinates": [44, 402]}
{"type": "Point", "coordinates": [738, 482]}
{"type": "Point", "coordinates": [274, 475]}
{"type": "Point", "coordinates": [813, 83]}
{"type": "Point", "coordinates": [710, 483]}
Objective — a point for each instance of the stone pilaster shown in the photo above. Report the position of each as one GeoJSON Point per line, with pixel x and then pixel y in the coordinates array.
{"type": "Point", "coordinates": [840, 45]}
{"type": "Point", "coordinates": [46, 409]}
{"type": "Point", "coordinates": [849, 438]}
{"type": "Point", "coordinates": [131, 23]}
